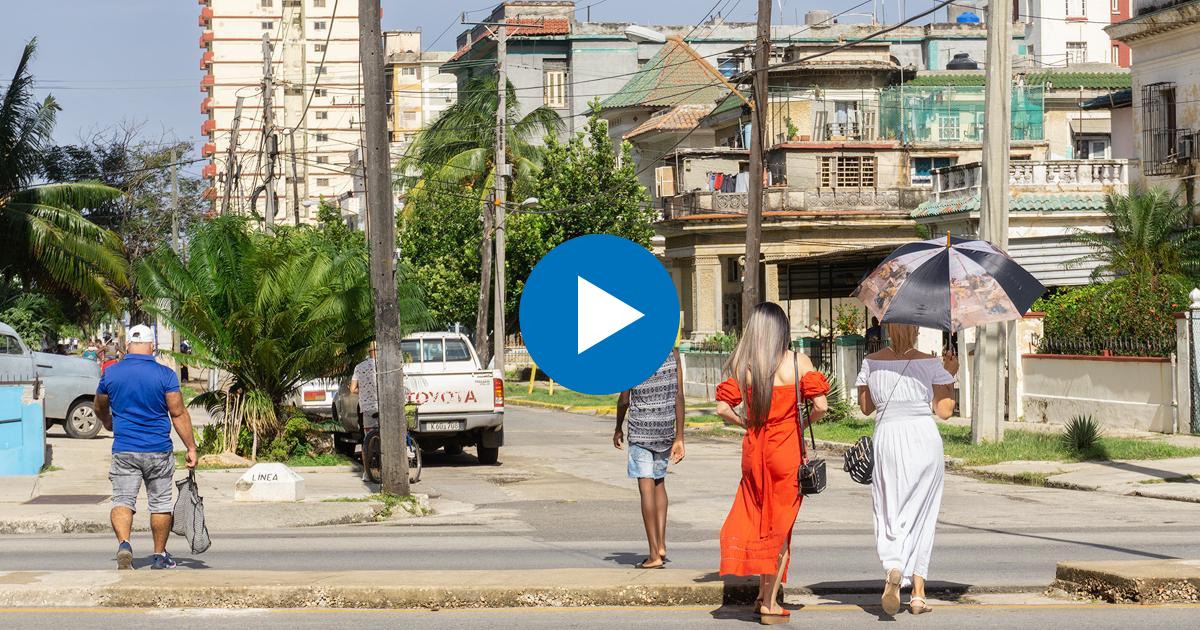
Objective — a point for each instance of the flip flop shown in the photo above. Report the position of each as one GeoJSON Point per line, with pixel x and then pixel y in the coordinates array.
{"type": "Point", "coordinates": [918, 609]}
{"type": "Point", "coordinates": [642, 565]}
{"type": "Point", "coordinates": [772, 619]}
{"type": "Point", "coordinates": [891, 593]}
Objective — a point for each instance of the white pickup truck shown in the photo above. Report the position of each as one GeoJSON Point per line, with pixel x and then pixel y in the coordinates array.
{"type": "Point", "coordinates": [459, 402]}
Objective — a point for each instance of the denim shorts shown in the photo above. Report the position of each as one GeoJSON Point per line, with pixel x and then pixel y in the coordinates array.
{"type": "Point", "coordinates": [129, 470]}
{"type": "Point", "coordinates": [647, 464]}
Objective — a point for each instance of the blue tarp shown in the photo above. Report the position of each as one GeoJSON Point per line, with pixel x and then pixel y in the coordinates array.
{"type": "Point", "coordinates": [22, 431]}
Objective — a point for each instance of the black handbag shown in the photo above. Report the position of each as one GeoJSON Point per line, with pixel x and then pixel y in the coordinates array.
{"type": "Point", "coordinates": [812, 472]}
{"type": "Point", "coordinates": [860, 460]}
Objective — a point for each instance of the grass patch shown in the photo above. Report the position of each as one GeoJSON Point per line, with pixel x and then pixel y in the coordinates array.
{"type": "Point", "coordinates": [1180, 479]}
{"type": "Point", "coordinates": [516, 392]}
{"type": "Point", "coordinates": [188, 392]}
{"type": "Point", "coordinates": [49, 469]}
{"type": "Point", "coordinates": [1018, 445]}
{"type": "Point", "coordinates": [390, 503]}
{"type": "Point", "coordinates": [706, 418]}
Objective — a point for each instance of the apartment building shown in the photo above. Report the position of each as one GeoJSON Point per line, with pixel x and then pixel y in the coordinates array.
{"type": "Point", "coordinates": [418, 91]}
{"type": "Point", "coordinates": [312, 52]}
{"type": "Point", "coordinates": [1071, 32]}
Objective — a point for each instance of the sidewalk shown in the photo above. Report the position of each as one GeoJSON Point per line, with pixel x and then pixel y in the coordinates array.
{"type": "Point", "coordinates": [76, 497]}
{"type": "Point", "coordinates": [1173, 479]}
{"type": "Point", "coordinates": [1140, 581]}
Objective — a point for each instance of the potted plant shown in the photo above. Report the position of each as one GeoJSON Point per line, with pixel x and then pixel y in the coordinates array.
{"type": "Point", "coordinates": [848, 324]}
{"type": "Point", "coordinates": [793, 131]}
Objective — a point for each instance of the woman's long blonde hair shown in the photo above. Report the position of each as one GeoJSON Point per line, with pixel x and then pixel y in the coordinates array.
{"type": "Point", "coordinates": [756, 358]}
{"type": "Point", "coordinates": [902, 337]}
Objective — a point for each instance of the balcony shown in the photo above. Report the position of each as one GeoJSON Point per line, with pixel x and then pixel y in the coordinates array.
{"type": "Point", "coordinates": [1046, 176]}
{"type": "Point", "coordinates": [206, 15]}
{"type": "Point", "coordinates": [206, 82]}
{"type": "Point", "coordinates": [208, 150]}
{"type": "Point", "coordinates": [849, 201]}
{"type": "Point", "coordinates": [206, 38]}
{"type": "Point", "coordinates": [209, 171]}
{"type": "Point", "coordinates": [208, 126]}
{"type": "Point", "coordinates": [206, 105]}
{"type": "Point", "coordinates": [206, 59]}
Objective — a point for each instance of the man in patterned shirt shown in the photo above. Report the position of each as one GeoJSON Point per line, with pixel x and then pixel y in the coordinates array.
{"type": "Point", "coordinates": [363, 383]}
{"type": "Point", "coordinates": [654, 410]}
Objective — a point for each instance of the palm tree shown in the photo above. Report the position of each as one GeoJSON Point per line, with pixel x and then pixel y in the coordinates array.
{"type": "Point", "coordinates": [456, 154]}
{"type": "Point", "coordinates": [1150, 232]}
{"type": "Point", "coordinates": [271, 310]}
{"type": "Point", "coordinates": [43, 237]}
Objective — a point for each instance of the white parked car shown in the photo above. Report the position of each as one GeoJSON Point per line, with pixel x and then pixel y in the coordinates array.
{"type": "Point", "coordinates": [459, 403]}
{"type": "Point", "coordinates": [69, 383]}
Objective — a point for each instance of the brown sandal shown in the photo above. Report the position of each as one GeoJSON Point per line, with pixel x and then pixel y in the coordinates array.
{"type": "Point", "coordinates": [891, 592]}
{"type": "Point", "coordinates": [772, 619]}
{"type": "Point", "coordinates": [918, 609]}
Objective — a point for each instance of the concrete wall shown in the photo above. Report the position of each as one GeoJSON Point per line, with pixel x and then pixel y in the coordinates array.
{"type": "Point", "coordinates": [702, 372]}
{"type": "Point", "coordinates": [1048, 29]}
{"type": "Point", "coordinates": [1119, 392]}
{"type": "Point", "coordinates": [1122, 134]}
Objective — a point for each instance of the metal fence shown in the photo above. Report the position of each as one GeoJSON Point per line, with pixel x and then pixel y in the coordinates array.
{"type": "Point", "coordinates": [1100, 346]}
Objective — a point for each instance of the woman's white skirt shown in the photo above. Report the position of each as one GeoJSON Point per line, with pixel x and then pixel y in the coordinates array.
{"type": "Point", "coordinates": [907, 492]}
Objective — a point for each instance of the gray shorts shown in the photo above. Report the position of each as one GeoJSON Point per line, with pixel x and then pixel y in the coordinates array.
{"type": "Point", "coordinates": [129, 470]}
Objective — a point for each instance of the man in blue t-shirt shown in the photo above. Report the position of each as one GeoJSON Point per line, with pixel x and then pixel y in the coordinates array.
{"type": "Point", "coordinates": [138, 400]}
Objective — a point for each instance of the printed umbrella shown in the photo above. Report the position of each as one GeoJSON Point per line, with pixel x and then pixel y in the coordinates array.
{"type": "Point", "coordinates": [949, 284]}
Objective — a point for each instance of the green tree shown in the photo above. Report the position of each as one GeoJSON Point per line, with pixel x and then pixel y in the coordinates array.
{"type": "Point", "coordinates": [271, 310]}
{"type": "Point", "coordinates": [455, 155]}
{"type": "Point", "coordinates": [45, 242]}
{"type": "Point", "coordinates": [1150, 235]}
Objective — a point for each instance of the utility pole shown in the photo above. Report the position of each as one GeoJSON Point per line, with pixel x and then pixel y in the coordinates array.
{"type": "Point", "coordinates": [381, 241]}
{"type": "Point", "coordinates": [174, 201]}
{"type": "Point", "coordinates": [501, 181]}
{"type": "Point", "coordinates": [987, 417]}
{"type": "Point", "coordinates": [295, 179]}
{"type": "Point", "coordinates": [269, 140]}
{"type": "Point", "coordinates": [231, 157]}
{"type": "Point", "coordinates": [751, 289]}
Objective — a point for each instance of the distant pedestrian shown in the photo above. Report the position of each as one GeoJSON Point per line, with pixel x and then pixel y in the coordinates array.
{"type": "Point", "coordinates": [874, 335]}
{"type": "Point", "coordinates": [91, 352]}
{"type": "Point", "coordinates": [653, 413]}
{"type": "Point", "coordinates": [773, 382]}
{"type": "Point", "coordinates": [138, 400]}
{"type": "Point", "coordinates": [364, 384]}
{"type": "Point", "coordinates": [111, 357]}
{"type": "Point", "coordinates": [902, 386]}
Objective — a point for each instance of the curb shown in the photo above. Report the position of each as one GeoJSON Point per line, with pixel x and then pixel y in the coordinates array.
{"type": "Point", "coordinates": [1132, 581]}
{"type": "Point", "coordinates": [405, 589]}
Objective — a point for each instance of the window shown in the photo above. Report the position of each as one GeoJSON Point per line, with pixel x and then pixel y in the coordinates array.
{"type": "Point", "coordinates": [1077, 8]}
{"type": "Point", "coordinates": [322, 137]}
{"type": "Point", "coordinates": [320, 25]}
{"type": "Point", "coordinates": [447, 94]}
{"type": "Point", "coordinates": [320, 4]}
{"type": "Point", "coordinates": [1116, 6]}
{"type": "Point", "coordinates": [408, 72]}
{"type": "Point", "coordinates": [845, 121]}
{"type": "Point", "coordinates": [1159, 129]}
{"type": "Point", "coordinates": [733, 269]}
{"type": "Point", "coordinates": [322, 159]}
{"type": "Point", "coordinates": [948, 128]}
{"type": "Point", "coordinates": [554, 84]}
{"type": "Point", "coordinates": [267, 26]}
{"type": "Point", "coordinates": [848, 171]}
{"type": "Point", "coordinates": [320, 92]}
{"type": "Point", "coordinates": [1094, 148]}
{"type": "Point", "coordinates": [922, 169]}
{"type": "Point", "coordinates": [322, 181]}
{"type": "Point", "coordinates": [322, 115]}
{"type": "Point", "coordinates": [9, 345]}
{"type": "Point", "coordinates": [729, 66]}
{"type": "Point", "coordinates": [1116, 54]}
{"type": "Point", "coordinates": [1076, 53]}
{"type": "Point", "coordinates": [456, 350]}
{"type": "Point", "coordinates": [267, 3]}
{"type": "Point", "coordinates": [409, 118]}
{"type": "Point", "coordinates": [664, 181]}
{"type": "Point", "coordinates": [319, 48]}
{"type": "Point", "coordinates": [321, 70]}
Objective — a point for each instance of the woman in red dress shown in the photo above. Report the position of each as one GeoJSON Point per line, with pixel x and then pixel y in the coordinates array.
{"type": "Point", "coordinates": [757, 534]}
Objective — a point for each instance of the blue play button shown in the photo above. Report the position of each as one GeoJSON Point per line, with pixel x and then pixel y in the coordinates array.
{"type": "Point", "coordinates": [599, 314]}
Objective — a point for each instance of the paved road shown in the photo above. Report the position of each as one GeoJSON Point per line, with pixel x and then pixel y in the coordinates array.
{"type": "Point", "coordinates": [560, 499]}
{"type": "Point", "coordinates": [834, 616]}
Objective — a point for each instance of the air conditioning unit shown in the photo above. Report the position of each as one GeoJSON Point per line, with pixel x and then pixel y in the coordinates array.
{"type": "Point", "coordinates": [1185, 147]}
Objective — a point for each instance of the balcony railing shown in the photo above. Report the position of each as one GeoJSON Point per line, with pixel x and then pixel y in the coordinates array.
{"type": "Point", "coordinates": [879, 201]}
{"type": "Point", "coordinates": [1029, 176]}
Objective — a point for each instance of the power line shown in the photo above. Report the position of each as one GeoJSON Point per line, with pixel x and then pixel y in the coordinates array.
{"type": "Point", "coordinates": [324, 51]}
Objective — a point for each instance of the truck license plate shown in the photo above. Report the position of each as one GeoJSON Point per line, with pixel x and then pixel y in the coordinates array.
{"type": "Point", "coordinates": [456, 425]}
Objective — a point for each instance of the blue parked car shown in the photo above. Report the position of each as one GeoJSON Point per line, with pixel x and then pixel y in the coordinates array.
{"type": "Point", "coordinates": [69, 382]}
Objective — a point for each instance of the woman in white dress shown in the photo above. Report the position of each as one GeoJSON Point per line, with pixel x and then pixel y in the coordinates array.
{"type": "Point", "coordinates": [905, 388]}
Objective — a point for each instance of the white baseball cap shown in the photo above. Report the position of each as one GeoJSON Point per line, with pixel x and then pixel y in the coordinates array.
{"type": "Point", "coordinates": [140, 333]}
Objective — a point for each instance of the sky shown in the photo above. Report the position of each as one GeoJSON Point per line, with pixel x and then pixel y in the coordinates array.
{"type": "Point", "coordinates": [109, 62]}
